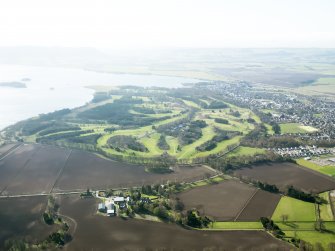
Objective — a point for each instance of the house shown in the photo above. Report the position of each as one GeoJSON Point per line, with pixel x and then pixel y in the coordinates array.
{"type": "Point", "coordinates": [102, 208]}
{"type": "Point", "coordinates": [145, 200]}
{"type": "Point", "coordinates": [110, 209]}
{"type": "Point", "coordinates": [123, 205]}
{"type": "Point", "coordinates": [119, 199]}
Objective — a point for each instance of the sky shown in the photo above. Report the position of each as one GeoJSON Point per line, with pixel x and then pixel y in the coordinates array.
{"type": "Point", "coordinates": [168, 23]}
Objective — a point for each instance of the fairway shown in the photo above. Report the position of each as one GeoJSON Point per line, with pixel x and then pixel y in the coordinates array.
{"type": "Point", "coordinates": [243, 150]}
{"type": "Point", "coordinates": [296, 128]}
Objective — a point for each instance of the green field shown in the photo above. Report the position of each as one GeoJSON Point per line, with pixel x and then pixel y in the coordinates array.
{"type": "Point", "coordinates": [325, 86]}
{"type": "Point", "coordinates": [325, 209]}
{"type": "Point", "coordinates": [296, 210]}
{"type": "Point", "coordinates": [296, 128]}
{"type": "Point", "coordinates": [327, 170]}
{"type": "Point", "coordinates": [228, 225]}
{"type": "Point", "coordinates": [301, 221]}
{"type": "Point", "coordinates": [243, 150]}
{"type": "Point", "coordinates": [313, 237]}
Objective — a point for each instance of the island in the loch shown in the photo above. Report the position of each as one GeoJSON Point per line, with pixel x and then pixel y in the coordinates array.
{"type": "Point", "coordinates": [13, 84]}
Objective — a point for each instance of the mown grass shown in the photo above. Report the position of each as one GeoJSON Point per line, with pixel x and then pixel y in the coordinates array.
{"type": "Point", "coordinates": [222, 146]}
{"type": "Point", "coordinates": [150, 141]}
{"type": "Point", "coordinates": [191, 104]}
{"type": "Point", "coordinates": [301, 221]}
{"type": "Point", "coordinates": [243, 150]}
{"type": "Point", "coordinates": [287, 128]}
{"type": "Point", "coordinates": [204, 182]}
{"type": "Point", "coordinates": [327, 170]}
{"type": "Point", "coordinates": [313, 237]}
{"type": "Point", "coordinates": [296, 210]}
{"type": "Point", "coordinates": [235, 225]}
{"type": "Point", "coordinates": [188, 151]}
{"type": "Point", "coordinates": [325, 209]}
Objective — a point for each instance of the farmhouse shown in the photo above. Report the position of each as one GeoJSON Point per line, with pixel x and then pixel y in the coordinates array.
{"type": "Point", "coordinates": [110, 209]}
{"type": "Point", "coordinates": [102, 208]}
{"type": "Point", "coordinates": [119, 199]}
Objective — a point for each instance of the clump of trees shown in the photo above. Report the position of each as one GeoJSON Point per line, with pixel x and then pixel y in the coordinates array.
{"type": "Point", "coordinates": [266, 187]}
{"type": "Point", "coordinates": [193, 219]}
{"type": "Point", "coordinates": [185, 130]}
{"type": "Point", "coordinates": [123, 142]}
{"type": "Point", "coordinates": [58, 127]}
{"type": "Point", "coordinates": [100, 96]}
{"type": "Point", "coordinates": [221, 121]}
{"type": "Point", "coordinates": [236, 162]}
{"type": "Point", "coordinates": [119, 113]}
{"type": "Point", "coordinates": [144, 110]}
{"type": "Point", "coordinates": [216, 104]}
{"type": "Point", "coordinates": [90, 139]}
{"type": "Point", "coordinates": [236, 114]}
{"type": "Point", "coordinates": [270, 226]}
{"type": "Point", "coordinates": [259, 138]}
{"type": "Point", "coordinates": [162, 143]}
{"type": "Point", "coordinates": [61, 136]}
{"type": "Point", "coordinates": [50, 213]}
{"type": "Point", "coordinates": [191, 132]}
{"type": "Point", "coordinates": [221, 136]}
{"type": "Point", "coordinates": [301, 195]}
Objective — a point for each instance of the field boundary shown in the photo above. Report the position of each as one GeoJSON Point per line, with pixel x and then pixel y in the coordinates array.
{"type": "Point", "coordinates": [9, 151]}
{"type": "Point", "coordinates": [316, 173]}
{"type": "Point", "coordinates": [19, 171]}
{"type": "Point", "coordinates": [246, 204]}
{"type": "Point", "coordinates": [331, 201]}
{"type": "Point", "coordinates": [60, 171]}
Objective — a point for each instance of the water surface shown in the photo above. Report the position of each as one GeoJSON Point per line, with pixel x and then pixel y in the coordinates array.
{"type": "Point", "coordinates": [51, 89]}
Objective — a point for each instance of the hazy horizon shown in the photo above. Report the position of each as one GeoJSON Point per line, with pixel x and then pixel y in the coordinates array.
{"type": "Point", "coordinates": [168, 24]}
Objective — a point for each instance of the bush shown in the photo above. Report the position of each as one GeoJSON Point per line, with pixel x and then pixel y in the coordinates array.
{"type": "Point", "coordinates": [222, 121]}
{"type": "Point", "coordinates": [162, 144]}
{"type": "Point", "coordinates": [126, 142]}
{"type": "Point", "coordinates": [48, 218]}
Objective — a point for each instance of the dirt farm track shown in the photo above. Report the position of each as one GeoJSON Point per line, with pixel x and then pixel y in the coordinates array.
{"type": "Point", "coordinates": [36, 169]}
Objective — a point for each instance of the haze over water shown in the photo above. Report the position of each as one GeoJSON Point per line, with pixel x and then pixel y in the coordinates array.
{"type": "Point", "coordinates": [51, 89]}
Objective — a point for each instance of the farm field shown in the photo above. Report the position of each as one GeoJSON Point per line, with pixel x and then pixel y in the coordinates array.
{"type": "Point", "coordinates": [284, 174]}
{"type": "Point", "coordinates": [263, 204]}
{"type": "Point", "coordinates": [230, 200]}
{"type": "Point", "coordinates": [13, 164]}
{"type": "Point", "coordinates": [103, 233]}
{"type": "Point", "coordinates": [22, 218]}
{"type": "Point", "coordinates": [327, 170]}
{"type": "Point", "coordinates": [39, 172]}
{"type": "Point", "coordinates": [34, 168]}
{"type": "Point", "coordinates": [84, 170]}
{"type": "Point", "coordinates": [222, 201]}
{"type": "Point", "coordinates": [4, 149]}
{"type": "Point", "coordinates": [301, 217]}
{"type": "Point", "coordinates": [296, 210]}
